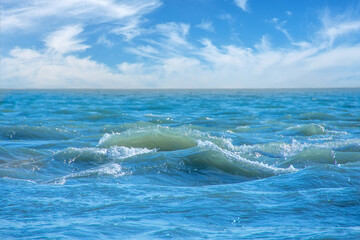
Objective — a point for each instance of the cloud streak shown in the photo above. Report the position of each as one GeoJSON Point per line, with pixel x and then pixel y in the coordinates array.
{"type": "Point", "coordinates": [206, 25]}
{"type": "Point", "coordinates": [65, 40]}
{"type": "Point", "coordinates": [335, 31]}
{"type": "Point", "coordinates": [32, 13]}
{"type": "Point", "coordinates": [242, 4]}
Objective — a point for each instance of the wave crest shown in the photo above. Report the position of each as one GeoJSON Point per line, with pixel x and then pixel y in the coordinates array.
{"type": "Point", "coordinates": [98, 155]}
{"type": "Point", "coordinates": [160, 138]}
{"type": "Point", "coordinates": [232, 162]}
{"type": "Point", "coordinates": [307, 130]}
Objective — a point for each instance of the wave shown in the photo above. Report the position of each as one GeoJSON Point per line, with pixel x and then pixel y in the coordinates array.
{"type": "Point", "coordinates": [210, 155]}
{"type": "Point", "coordinates": [316, 116]}
{"type": "Point", "coordinates": [15, 154]}
{"type": "Point", "coordinates": [111, 169]}
{"type": "Point", "coordinates": [127, 126]}
{"type": "Point", "coordinates": [160, 138]}
{"type": "Point", "coordinates": [160, 119]}
{"type": "Point", "coordinates": [206, 158]}
{"type": "Point", "coordinates": [25, 132]}
{"type": "Point", "coordinates": [283, 149]}
{"type": "Point", "coordinates": [191, 156]}
{"type": "Point", "coordinates": [90, 161]}
{"type": "Point", "coordinates": [313, 156]}
{"type": "Point", "coordinates": [97, 155]}
{"type": "Point", "coordinates": [304, 154]}
{"type": "Point", "coordinates": [307, 130]}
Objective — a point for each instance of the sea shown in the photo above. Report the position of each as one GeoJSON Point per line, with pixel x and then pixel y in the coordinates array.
{"type": "Point", "coordinates": [180, 164]}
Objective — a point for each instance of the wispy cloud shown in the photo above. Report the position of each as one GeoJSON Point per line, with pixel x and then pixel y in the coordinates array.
{"type": "Point", "coordinates": [206, 25]}
{"type": "Point", "coordinates": [164, 40]}
{"type": "Point", "coordinates": [279, 25]}
{"type": "Point", "coordinates": [146, 51]}
{"type": "Point", "coordinates": [32, 13]}
{"type": "Point", "coordinates": [65, 40]}
{"type": "Point", "coordinates": [242, 4]}
{"type": "Point", "coordinates": [264, 44]}
{"type": "Point", "coordinates": [129, 29]}
{"type": "Point", "coordinates": [333, 30]}
{"type": "Point", "coordinates": [175, 33]}
{"type": "Point", "coordinates": [105, 41]}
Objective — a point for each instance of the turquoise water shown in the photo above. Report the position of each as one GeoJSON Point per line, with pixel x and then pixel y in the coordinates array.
{"type": "Point", "coordinates": [148, 164]}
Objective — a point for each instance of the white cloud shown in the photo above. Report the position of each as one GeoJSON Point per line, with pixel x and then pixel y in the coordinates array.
{"type": "Point", "coordinates": [302, 44]}
{"type": "Point", "coordinates": [146, 51]}
{"type": "Point", "coordinates": [264, 44]}
{"type": "Point", "coordinates": [206, 25]}
{"type": "Point", "coordinates": [129, 29]}
{"type": "Point", "coordinates": [333, 28]}
{"type": "Point", "coordinates": [33, 13]}
{"type": "Point", "coordinates": [337, 30]}
{"type": "Point", "coordinates": [175, 33]}
{"type": "Point", "coordinates": [165, 40]}
{"type": "Point", "coordinates": [280, 27]}
{"type": "Point", "coordinates": [27, 68]}
{"type": "Point", "coordinates": [104, 41]}
{"type": "Point", "coordinates": [54, 67]}
{"type": "Point", "coordinates": [242, 67]}
{"type": "Point", "coordinates": [65, 40]}
{"type": "Point", "coordinates": [131, 68]}
{"type": "Point", "coordinates": [242, 4]}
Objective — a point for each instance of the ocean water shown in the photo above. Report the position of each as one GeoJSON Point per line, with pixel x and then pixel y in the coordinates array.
{"type": "Point", "coordinates": [180, 164]}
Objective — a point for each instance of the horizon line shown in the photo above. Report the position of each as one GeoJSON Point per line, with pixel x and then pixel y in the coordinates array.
{"type": "Point", "coordinates": [275, 88]}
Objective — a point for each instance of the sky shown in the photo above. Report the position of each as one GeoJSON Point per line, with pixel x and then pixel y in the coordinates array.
{"type": "Point", "coordinates": [179, 43]}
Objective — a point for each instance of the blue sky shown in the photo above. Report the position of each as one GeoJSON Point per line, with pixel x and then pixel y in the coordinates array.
{"type": "Point", "coordinates": [180, 43]}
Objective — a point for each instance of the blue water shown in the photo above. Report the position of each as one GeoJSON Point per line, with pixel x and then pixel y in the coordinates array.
{"type": "Point", "coordinates": [148, 164]}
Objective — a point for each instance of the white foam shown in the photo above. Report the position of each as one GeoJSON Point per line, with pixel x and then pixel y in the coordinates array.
{"type": "Point", "coordinates": [118, 152]}
{"type": "Point", "coordinates": [234, 155]}
{"type": "Point", "coordinates": [281, 148]}
{"type": "Point", "coordinates": [106, 137]}
{"type": "Point", "coordinates": [112, 153]}
{"type": "Point", "coordinates": [112, 169]}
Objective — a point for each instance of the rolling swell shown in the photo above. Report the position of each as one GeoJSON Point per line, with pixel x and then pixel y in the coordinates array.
{"type": "Point", "coordinates": [25, 132]}
{"type": "Point", "coordinates": [97, 155]}
{"type": "Point", "coordinates": [149, 150]}
{"type": "Point", "coordinates": [182, 152]}
{"type": "Point", "coordinates": [210, 155]}
{"type": "Point", "coordinates": [307, 130]}
{"type": "Point", "coordinates": [160, 138]}
{"type": "Point", "coordinates": [91, 162]}
{"type": "Point", "coordinates": [175, 152]}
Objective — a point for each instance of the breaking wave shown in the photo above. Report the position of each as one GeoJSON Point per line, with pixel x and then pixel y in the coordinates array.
{"type": "Point", "coordinates": [97, 155]}
{"type": "Point", "coordinates": [160, 138]}
{"type": "Point", "coordinates": [151, 149]}
{"type": "Point", "coordinates": [307, 130]}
